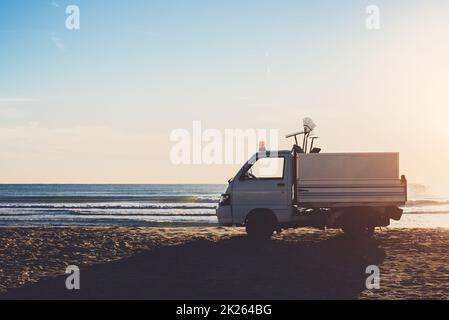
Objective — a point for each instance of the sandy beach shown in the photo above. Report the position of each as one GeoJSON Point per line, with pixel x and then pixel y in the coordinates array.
{"type": "Point", "coordinates": [220, 263]}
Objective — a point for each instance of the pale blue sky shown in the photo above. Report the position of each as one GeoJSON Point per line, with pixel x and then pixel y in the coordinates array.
{"type": "Point", "coordinates": [91, 105]}
{"type": "Point", "coordinates": [144, 56]}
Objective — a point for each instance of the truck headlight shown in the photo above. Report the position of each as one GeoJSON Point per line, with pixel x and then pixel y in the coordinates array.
{"type": "Point", "coordinates": [225, 200]}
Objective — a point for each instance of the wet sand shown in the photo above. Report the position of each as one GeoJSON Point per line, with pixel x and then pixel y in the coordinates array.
{"type": "Point", "coordinates": [220, 263]}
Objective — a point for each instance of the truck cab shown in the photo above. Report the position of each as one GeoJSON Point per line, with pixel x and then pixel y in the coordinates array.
{"type": "Point", "coordinates": [265, 182]}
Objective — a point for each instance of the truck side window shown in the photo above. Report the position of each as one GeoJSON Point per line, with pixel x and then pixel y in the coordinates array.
{"type": "Point", "coordinates": [266, 168]}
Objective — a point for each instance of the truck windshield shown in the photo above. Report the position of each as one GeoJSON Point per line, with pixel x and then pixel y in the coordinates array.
{"type": "Point", "coordinates": [266, 168]}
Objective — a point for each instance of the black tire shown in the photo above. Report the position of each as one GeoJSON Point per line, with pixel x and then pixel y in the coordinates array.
{"type": "Point", "coordinates": [359, 231]}
{"type": "Point", "coordinates": [260, 226]}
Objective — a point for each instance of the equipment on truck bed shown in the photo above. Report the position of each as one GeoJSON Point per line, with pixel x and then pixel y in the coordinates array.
{"type": "Point", "coordinates": [307, 133]}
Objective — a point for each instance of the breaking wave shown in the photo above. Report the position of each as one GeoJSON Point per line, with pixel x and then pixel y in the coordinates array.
{"type": "Point", "coordinates": [96, 199]}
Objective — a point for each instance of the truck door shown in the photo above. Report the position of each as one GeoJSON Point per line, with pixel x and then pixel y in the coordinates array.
{"type": "Point", "coordinates": [263, 184]}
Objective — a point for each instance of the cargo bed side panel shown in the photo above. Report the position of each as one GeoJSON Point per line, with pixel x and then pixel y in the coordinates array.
{"type": "Point", "coordinates": [349, 179]}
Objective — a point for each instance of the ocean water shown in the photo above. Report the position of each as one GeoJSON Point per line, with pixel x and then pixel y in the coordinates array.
{"type": "Point", "coordinates": [153, 205]}
{"type": "Point", "coordinates": [114, 205]}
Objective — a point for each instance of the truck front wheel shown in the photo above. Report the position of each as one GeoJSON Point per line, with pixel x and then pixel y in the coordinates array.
{"type": "Point", "coordinates": [260, 226]}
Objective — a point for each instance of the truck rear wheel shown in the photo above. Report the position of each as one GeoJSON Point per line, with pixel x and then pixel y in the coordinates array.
{"type": "Point", "coordinates": [359, 231]}
{"type": "Point", "coordinates": [260, 226]}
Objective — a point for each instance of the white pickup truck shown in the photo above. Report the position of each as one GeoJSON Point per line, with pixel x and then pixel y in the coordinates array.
{"type": "Point", "coordinates": [277, 190]}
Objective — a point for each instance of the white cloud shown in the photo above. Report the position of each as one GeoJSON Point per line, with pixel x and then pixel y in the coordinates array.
{"type": "Point", "coordinates": [57, 42]}
{"type": "Point", "coordinates": [10, 113]}
{"type": "Point", "coordinates": [17, 99]}
{"type": "Point", "coordinates": [55, 4]}
{"type": "Point", "coordinates": [12, 107]}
